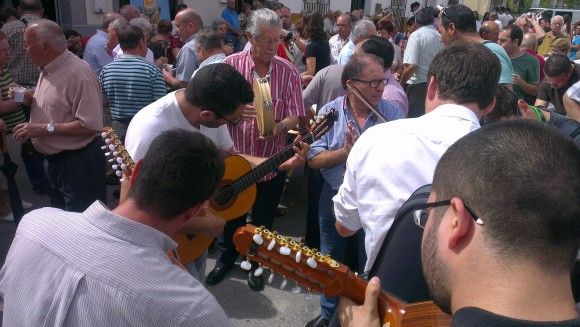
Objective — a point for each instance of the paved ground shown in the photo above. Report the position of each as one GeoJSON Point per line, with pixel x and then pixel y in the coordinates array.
{"type": "Point", "coordinates": [271, 307]}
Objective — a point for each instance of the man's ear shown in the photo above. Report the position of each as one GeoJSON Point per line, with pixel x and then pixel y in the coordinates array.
{"type": "Point", "coordinates": [135, 172]}
{"type": "Point", "coordinates": [489, 108]}
{"type": "Point", "coordinates": [432, 88]}
{"type": "Point", "coordinates": [461, 225]}
{"type": "Point", "coordinates": [207, 115]}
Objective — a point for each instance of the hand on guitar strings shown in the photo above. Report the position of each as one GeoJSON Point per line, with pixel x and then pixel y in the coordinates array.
{"type": "Point", "coordinates": [365, 315]}
{"type": "Point", "coordinates": [299, 158]}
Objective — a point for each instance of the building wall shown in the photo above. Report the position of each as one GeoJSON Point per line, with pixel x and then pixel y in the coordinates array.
{"type": "Point", "coordinates": [207, 9]}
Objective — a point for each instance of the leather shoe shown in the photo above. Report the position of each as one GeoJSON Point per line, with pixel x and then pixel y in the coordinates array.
{"type": "Point", "coordinates": [256, 284]}
{"type": "Point", "coordinates": [318, 322]}
{"type": "Point", "coordinates": [217, 274]}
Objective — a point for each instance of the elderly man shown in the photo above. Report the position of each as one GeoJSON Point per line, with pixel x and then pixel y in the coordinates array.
{"type": "Point", "coordinates": [329, 153]}
{"type": "Point", "coordinates": [260, 61]}
{"type": "Point", "coordinates": [187, 23]}
{"type": "Point", "coordinates": [339, 40]}
{"type": "Point", "coordinates": [64, 121]}
{"type": "Point", "coordinates": [129, 12]}
{"type": "Point", "coordinates": [561, 74]}
{"type": "Point", "coordinates": [22, 69]}
{"type": "Point", "coordinates": [422, 47]}
{"type": "Point", "coordinates": [360, 32]}
{"type": "Point", "coordinates": [556, 24]}
{"type": "Point", "coordinates": [489, 31]}
{"type": "Point", "coordinates": [95, 51]}
{"type": "Point", "coordinates": [146, 27]}
{"type": "Point", "coordinates": [209, 48]}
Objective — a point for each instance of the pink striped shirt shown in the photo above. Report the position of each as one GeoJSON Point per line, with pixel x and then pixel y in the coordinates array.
{"type": "Point", "coordinates": [287, 99]}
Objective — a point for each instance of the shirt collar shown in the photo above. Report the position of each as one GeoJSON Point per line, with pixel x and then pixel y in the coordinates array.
{"type": "Point", "coordinates": [190, 38]}
{"type": "Point", "coordinates": [252, 64]}
{"type": "Point", "coordinates": [101, 32]}
{"type": "Point", "coordinates": [57, 62]}
{"type": "Point", "coordinates": [454, 110]}
{"type": "Point", "coordinates": [125, 229]}
{"type": "Point", "coordinates": [126, 55]}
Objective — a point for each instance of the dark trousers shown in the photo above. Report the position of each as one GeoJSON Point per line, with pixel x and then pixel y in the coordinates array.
{"type": "Point", "coordinates": [315, 181]}
{"type": "Point", "coordinates": [34, 164]}
{"type": "Point", "coordinates": [263, 213]}
{"type": "Point", "coordinates": [416, 94]}
{"type": "Point", "coordinates": [77, 177]}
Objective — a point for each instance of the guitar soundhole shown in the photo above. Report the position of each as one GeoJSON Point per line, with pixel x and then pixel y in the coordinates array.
{"type": "Point", "coordinates": [224, 196]}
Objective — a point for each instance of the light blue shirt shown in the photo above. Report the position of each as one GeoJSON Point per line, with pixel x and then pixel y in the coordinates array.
{"type": "Point", "coordinates": [346, 52]}
{"type": "Point", "coordinates": [95, 53]}
{"type": "Point", "coordinates": [507, 70]}
{"type": "Point", "coordinates": [186, 60]}
{"type": "Point", "coordinates": [335, 138]}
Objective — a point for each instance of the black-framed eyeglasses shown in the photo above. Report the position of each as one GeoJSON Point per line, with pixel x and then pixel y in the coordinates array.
{"type": "Point", "coordinates": [374, 83]}
{"type": "Point", "coordinates": [233, 122]}
{"type": "Point", "coordinates": [421, 212]}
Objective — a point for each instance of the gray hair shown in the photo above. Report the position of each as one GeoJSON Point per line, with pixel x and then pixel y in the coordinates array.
{"type": "Point", "coordinates": [360, 30]}
{"type": "Point", "coordinates": [118, 24]}
{"type": "Point", "coordinates": [217, 22]}
{"type": "Point", "coordinates": [557, 17]}
{"type": "Point", "coordinates": [47, 31]}
{"type": "Point", "coordinates": [260, 18]}
{"type": "Point", "coordinates": [208, 39]}
{"type": "Point", "coordinates": [143, 24]}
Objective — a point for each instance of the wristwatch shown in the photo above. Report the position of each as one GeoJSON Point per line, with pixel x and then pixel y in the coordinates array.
{"type": "Point", "coordinates": [50, 128]}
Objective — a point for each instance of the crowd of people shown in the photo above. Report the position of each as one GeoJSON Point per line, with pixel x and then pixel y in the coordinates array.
{"type": "Point", "coordinates": [487, 111]}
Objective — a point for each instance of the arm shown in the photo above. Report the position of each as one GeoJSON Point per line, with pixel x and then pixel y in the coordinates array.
{"type": "Point", "coordinates": [311, 93]}
{"type": "Point", "coordinates": [538, 30]}
{"type": "Point", "coordinates": [531, 89]}
{"type": "Point", "coordinates": [173, 82]}
{"type": "Point", "coordinates": [331, 158]}
{"type": "Point", "coordinates": [8, 106]}
{"type": "Point", "coordinates": [408, 71]}
{"type": "Point", "coordinates": [310, 66]}
{"type": "Point", "coordinates": [572, 108]}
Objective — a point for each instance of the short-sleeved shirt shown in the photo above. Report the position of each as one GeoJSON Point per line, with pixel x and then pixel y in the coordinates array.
{"type": "Point", "coordinates": [421, 49]}
{"type": "Point", "coordinates": [14, 118]}
{"type": "Point", "coordinates": [118, 53]}
{"type": "Point", "coordinates": [346, 52]}
{"type": "Point", "coordinates": [336, 44]}
{"type": "Point", "coordinates": [319, 50]}
{"type": "Point", "coordinates": [95, 53]}
{"type": "Point", "coordinates": [335, 138]}
{"type": "Point", "coordinates": [186, 60]}
{"type": "Point", "coordinates": [507, 71]}
{"type": "Point", "coordinates": [162, 115]}
{"type": "Point", "coordinates": [575, 41]}
{"type": "Point", "coordinates": [68, 90]}
{"type": "Point", "coordinates": [22, 70]}
{"type": "Point", "coordinates": [546, 46]}
{"type": "Point", "coordinates": [541, 60]}
{"type": "Point", "coordinates": [547, 93]}
{"type": "Point", "coordinates": [324, 87]}
{"type": "Point", "coordinates": [528, 68]}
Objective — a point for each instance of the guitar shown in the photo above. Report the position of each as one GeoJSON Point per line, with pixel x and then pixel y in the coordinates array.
{"type": "Point", "coordinates": [9, 169]}
{"type": "Point", "coordinates": [321, 274]}
{"type": "Point", "coordinates": [237, 192]}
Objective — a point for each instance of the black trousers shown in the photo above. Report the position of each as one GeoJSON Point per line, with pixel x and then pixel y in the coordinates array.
{"type": "Point", "coordinates": [263, 213]}
{"type": "Point", "coordinates": [77, 177]}
{"type": "Point", "coordinates": [416, 94]}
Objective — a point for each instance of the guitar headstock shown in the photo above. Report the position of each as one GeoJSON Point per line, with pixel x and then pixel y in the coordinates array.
{"type": "Point", "coordinates": [119, 158]}
{"type": "Point", "coordinates": [321, 124]}
{"type": "Point", "coordinates": [309, 268]}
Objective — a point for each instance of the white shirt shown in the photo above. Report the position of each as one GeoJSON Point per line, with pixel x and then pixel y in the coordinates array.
{"type": "Point", "coordinates": [422, 47]}
{"type": "Point", "coordinates": [336, 44]}
{"type": "Point", "coordinates": [346, 52]}
{"type": "Point", "coordinates": [98, 269]}
{"type": "Point", "coordinates": [215, 59]}
{"type": "Point", "coordinates": [96, 53]}
{"type": "Point", "coordinates": [388, 163]}
{"type": "Point", "coordinates": [118, 52]}
{"type": "Point", "coordinates": [165, 114]}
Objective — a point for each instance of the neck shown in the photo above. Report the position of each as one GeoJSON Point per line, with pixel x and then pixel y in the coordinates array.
{"type": "Point", "coordinates": [215, 52]}
{"type": "Point", "coordinates": [262, 67]}
{"type": "Point", "coordinates": [357, 107]}
{"type": "Point", "coordinates": [471, 37]}
{"type": "Point", "coordinates": [519, 291]}
{"type": "Point", "coordinates": [189, 111]}
{"type": "Point", "coordinates": [129, 210]}
{"type": "Point", "coordinates": [133, 52]}
{"type": "Point", "coordinates": [434, 104]}
{"type": "Point", "coordinates": [516, 53]}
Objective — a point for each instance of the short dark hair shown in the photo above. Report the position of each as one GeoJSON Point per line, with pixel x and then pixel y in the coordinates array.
{"type": "Point", "coordinates": [354, 67]}
{"type": "Point", "coordinates": [180, 170]}
{"type": "Point", "coordinates": [164, 27]}
{"type": "Point", "coordinates": [380, 47]}
{"type": "Point", "coordinates": [506, 105]}
{"type": "Point", "coordinates": [208, 39]}
{"type": "Point", "coordinates": [415, 5]}
{"type": "Point", "coordinates": [461, 16]}
{"type": "Point", "coordinates": [30, 5]}
{"type": "Point", "coordinates": [425, 16]}
{"type": "Point", "coordinates": [526, 195]}
{"type": "Point", "coordinates": [385, 25]}
{"type": "Point", "coordinates": [411, 21]}
{"type": "Point", "coordinates": [516, 33]}
{"type": "Point", "coordinates": [558, 64]}
{"type": "Point", "coordinates": [129, 37]}
{"type": "Point", "coordinates": [219, 88]}
{"type": "Point", "coordinates": [458, 79]}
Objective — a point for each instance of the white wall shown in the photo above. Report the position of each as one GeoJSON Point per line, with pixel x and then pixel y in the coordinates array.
{"type": "Point", "coordinates": [207, 9]}
{"type": "Point", "coordinates": [95, 18]}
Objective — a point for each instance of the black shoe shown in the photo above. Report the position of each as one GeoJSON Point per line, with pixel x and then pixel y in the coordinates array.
{"type": "Point", "coordinates": [318, 322]}
{"type": "Point", "coordinates": [218, 273]}
{"type": "Point", "coordinates": [256, 283]}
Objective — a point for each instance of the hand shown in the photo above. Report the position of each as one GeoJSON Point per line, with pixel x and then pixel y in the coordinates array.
{"type": "Point", "coordinates": [367, 315]}
{"type": "Point", "coordinates": [26, 131]}
{"type": "Point", "coordinates": [351, 137]}
{"type": "Point", "coordinates": [249, 113]}
{"type": "Point", "coordinates": [306, 79]}
{"type": "Point", "coordinates": [517, 79]}
{"type": "Point", "coordinates": [299, 157]}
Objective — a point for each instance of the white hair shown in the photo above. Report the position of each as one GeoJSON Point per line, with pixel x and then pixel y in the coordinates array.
{"type": "Point", "coordinates": [361, 28]}
{"type": "Point", "coordinates": [261, 18]}
{"type": "Point", "coordinates": [143, 24]}
{"type": "Point", "coordinates": [47, 31]}
{"type": "Point", "coordinates": [118, 24]}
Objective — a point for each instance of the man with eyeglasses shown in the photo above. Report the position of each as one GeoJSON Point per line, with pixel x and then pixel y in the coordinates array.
{"type": "Point", "coordinates": [339, 40]}
{"type": "Point", "coordinates": [498, 250]}
{"type": "Point", "coordinates": [390, 161]}
{"type": "Point", "coordinates": [259, 61]}
{"type": "Point", "coordinates": [329, 153]}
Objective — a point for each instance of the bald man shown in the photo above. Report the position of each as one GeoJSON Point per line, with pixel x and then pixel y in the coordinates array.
{"type": "Point", "coordinates": [489, 31]}
{"type": "Point", "coordinates": [95, 52]}
{"type": "Point", "coordinates": [187, 23]}
{"type": "Point", "coordinates": [129, 12]}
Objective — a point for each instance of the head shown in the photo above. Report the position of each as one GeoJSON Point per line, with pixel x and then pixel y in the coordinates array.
{"type": "Point", "coordinates": [108, 19]}
{"type": "Point", "coordinates": [362, 30]}
{"type": "Point", "coordinates": [164, 27]}
{"type": "Point", "coordinates": [9, 14]}
{"type": "Point", "coordinates": [31, 7]}
{"type": "Point", "coordinates": [476, 14]}
{"type": "Point", "coordinates": [113, 30]}
{"type": "Point", "coordinates": [529, 42]}
{"type": "Point", "coordinates": [220, 92]}
{"type": "Point", "coordinates": [44, 41]}
{"type": "Point", "coordinates": [263, 33]}
{"type": "Point", "coordinates": [129, 12]}
{"type": "Point", "coordinates": [132, 40]}
{"type": "Point", "coordinates": [187, 23]}
{"type": "Point", "coordinates": [365, 73]}
{"type": "Point", "coordinates": [314, 26]}
{"type": "Point", "coordinates": [231, 4]}
{"type": "Point", "coordinates": [526, 197]}
{"type": "Point", "coordinates": [73, 42]}
{"type": "Point", "coordinates": [456, 21]}
{"type": "Point", "coordinates": [577, 29]}
{"type": "Point", "coordinates": [489, 31]}
{"type": "Point", "coordinates": [558, 70]}
{"type": "Point", "coordinates": [144, 25]}
{"type": "Point", "coordinates": [510, 38]}
{"type": "Point", "coordinates": [386, 29]}
{"type": "Point", "coordinates": [379, 47]}
{"type": "Point", "coordinates": [415, 6]}
{"type": "Point", "coordinates": [425, 16]}
{"type": "Point", "coordinates": [284, 14]}
{"type": "Point", "coordinates": [506, 106]}
{"type": "Point", "coordinates": [545, 22]}
{"type": "Point", "coordinates": [4, 49]}
{"type": "Point", "coordinates": [453, 77]}
{"type": "Point", "coordinates": [485, 16]}
{"type": "Point", "coordinates": [179, 173]}
{"type": "Point", "coordinates": [561, 46]}
{"type": "Point", "coordinates": [522, 22]}
{"type": "Point", "coordinates": [556, 24]}
{"type": "Point", "coordinates": [343, 23]}
{"type": "Point", "coordinates": [220, 26]}
{"type": "Point", "coordinates": [208, 42]}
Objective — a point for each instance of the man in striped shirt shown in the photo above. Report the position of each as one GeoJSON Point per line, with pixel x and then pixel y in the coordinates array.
{"type": "Point", "coordinates": [130, 83]}
{"type": "Point", "coordinates": [260, 61]}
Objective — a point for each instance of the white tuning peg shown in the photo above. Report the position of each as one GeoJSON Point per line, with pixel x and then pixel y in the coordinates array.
{"type": "Point", "coordinates": [246, 265]}
{"type": "Point", "coordinates": [115, 167]}
{"type": "Point", "coordinates": [298, 256]}
{"type": "Point", "coordinates": [111, 147]}
{"type": "Point", "coordinates": [108, 140]}
{"type": "Point", "coordinates": [115, 153]}
{"type": "Point", "coordinates": [107, 154]}
{"type": "Point", "coordinates": [271, 277]}
{"type": "Point", "coordinates": [272, 244]}
{"type": "Point", "coordinates": [123, 166]}
{"type": "Point", "coordinates": [258, 239]}
{"type": "Point", "coordinates": [284, 282]}
{"type": "Point", "coordinates": [119, 173]}
{"type": "Point", "coordinates": [112, 160]}
{"type": "Point", "coordinates": [104, 134]}
{"type": "Point", "coordinates": [295, 290]}
{"type": "Point", "coordinates": [258, 272]}
{"type": "Point", "coordinates": [284, 250]}
{"type": "Point", "coordinates": [120, 160]}
{"type": "Point", "coordinates": [311, 263]}
{"type": "Point", "coordinates": [104, 147]}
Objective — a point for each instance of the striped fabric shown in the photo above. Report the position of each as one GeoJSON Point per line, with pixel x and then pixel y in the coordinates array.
{"type": "Point", "coordinates": [286, 97]}
{"type": "Point", "coordinates": [130, 84]}
{"type": "Point", "coordinates": [98, 269]}
{"type": "Point", "coordinates": [14, 118]}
